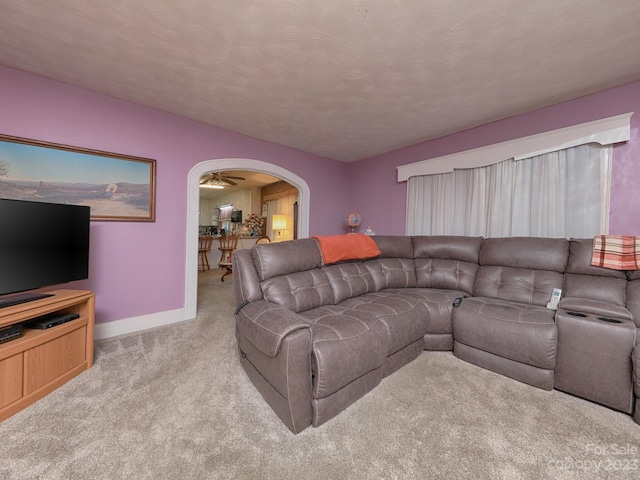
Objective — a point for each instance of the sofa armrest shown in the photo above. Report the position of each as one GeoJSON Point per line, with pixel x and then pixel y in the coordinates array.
{"type": "Point", "coordinates": [594, 307]}
{"type": "Point", "coordinates": [266, 324]}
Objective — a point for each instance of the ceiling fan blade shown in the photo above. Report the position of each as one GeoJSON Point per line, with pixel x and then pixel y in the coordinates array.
{"type": "Point", "coordinates": [220, 177]}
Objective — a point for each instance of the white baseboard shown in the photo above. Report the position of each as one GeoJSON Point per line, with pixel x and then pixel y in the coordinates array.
{"type": "Point", "coordinates": [136, 324]}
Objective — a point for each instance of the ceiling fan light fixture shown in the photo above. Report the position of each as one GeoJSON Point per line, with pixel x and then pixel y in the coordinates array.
{"type": "Point", "coordinates": [219, 178]}
{"type": "Point", "coordinates": [214, 181]}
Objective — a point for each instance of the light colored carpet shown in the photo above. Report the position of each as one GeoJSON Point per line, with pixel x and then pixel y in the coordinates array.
{"type": "Point", "coordinates": [174, 403]}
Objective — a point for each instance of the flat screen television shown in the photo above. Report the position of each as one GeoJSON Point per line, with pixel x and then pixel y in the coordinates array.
{"type": "Point", "coordinates": [41, 245]}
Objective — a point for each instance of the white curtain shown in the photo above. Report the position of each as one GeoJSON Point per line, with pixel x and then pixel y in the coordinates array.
{"type": "Point", "coordinates": [558, 194]}
{"type": "Point", "coordinates": [281, 206]}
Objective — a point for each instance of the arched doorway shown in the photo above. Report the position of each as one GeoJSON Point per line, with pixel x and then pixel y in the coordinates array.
{"type": "Point", "coordinates": [193, 201]}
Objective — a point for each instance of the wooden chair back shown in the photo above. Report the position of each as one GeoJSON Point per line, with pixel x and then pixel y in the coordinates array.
{"type": "Point", "coordinates": [227, 246]}
{"type": "Point", "coordinates": [204, 247]}
{"type": "Point", "coordinates": [205, 243]}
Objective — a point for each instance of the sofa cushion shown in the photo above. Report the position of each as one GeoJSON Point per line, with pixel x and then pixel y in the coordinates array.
{"type": "Point", "coordinates": [583, 280]}
{"type": "Point", "coordinates": [404, 317]}
{"type": "Point", "coordinates": [592, 287]}
{"type": "Point", "coordinates": [299, 291]}
{"type": "Point", "coordinates": [349, 280]}
{"type": "Point", "coordinates": [392, 272]}
{"type": "Point", "coordinates": [526, 252]}
{"type": "Point", "coordinates": [521, 269]}
{"type": "Point", "coordinates": [446, 274]}
{"type": "Point", "coordinates": [347, 344]}
{"type": "Point", "coordinates": [439, 305]}
{"type": "Point", "coordinates": [580, 254]}
{"type": "Point", "coordinates": [516, 284]}
{"type": "Point", "coordinates": [520, 332]}
{"type": "Point", "coordinates": [394, 246]}
{"type": "Point", "coordinates": [446, 262]}
{"type": "Point", "coordinates": [445, 247]}
{"type": "Point", "coordinates": [280, 258]}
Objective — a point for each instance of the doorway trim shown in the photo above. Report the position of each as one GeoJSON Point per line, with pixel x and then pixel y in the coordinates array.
{"type": "Point", "coordinates": [193, 212]}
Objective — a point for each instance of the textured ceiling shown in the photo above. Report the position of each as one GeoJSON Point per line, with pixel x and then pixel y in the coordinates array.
{"type": "Point", "coordinates": [344, 79]}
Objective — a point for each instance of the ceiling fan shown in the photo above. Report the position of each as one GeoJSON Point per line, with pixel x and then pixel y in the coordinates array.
{"type": "Point", "coordinates": [218, 179]}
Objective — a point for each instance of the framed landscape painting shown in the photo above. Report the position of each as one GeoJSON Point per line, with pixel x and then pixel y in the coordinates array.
{"type": "Point", "coordinates": [116, 187]}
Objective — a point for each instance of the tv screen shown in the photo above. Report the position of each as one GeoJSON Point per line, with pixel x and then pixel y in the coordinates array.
{"type": "Point", "coordinates": [42, 244]}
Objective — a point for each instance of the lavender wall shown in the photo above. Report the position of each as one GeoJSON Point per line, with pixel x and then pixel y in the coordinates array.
{"type": "Point", "coordinates": [375, 193]}
{"type": "Point", "coordinates": [139, 268]}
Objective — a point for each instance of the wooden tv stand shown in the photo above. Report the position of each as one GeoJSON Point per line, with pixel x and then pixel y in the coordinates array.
{"type": "Point", "coordinates": [40, 361]}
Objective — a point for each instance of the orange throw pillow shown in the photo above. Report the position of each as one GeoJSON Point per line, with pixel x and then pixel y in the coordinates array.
{"type": "Point", "coordinates": [351, 246]}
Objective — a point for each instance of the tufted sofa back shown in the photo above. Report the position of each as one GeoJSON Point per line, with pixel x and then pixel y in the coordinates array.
{"type": "Point", "coordinates": [586, 281]}
{"type": "Point", "coordinates": [349, 280]}
{"type": "Point", "coordinates": [394, 268]}
{"type": "Point", "coordinates": [273, 259]}
{"type": "Point", "coordinates": [446, 262]}
{"type": "Point", "coordinates": [521, 269]}
{"type": "Point", "coordinates": [589, 289]}
{"type": "Point", "coordinates": [291, 276]}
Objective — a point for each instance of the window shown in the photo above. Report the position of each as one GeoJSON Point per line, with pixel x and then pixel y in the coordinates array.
{"type": "Point", "coordinates": [225, 212]}
{"type": "Point", "coordinates": [554, 184]}
{"type": "Point", "coordinates": [556, 194]}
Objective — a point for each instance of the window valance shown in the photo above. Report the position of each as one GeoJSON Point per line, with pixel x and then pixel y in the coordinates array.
{"type": "Point", "coordinates": [605, 132]}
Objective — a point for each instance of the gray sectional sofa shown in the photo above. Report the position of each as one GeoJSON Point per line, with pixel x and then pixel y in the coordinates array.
{"type": "Point", "coordinates": [314, 338]}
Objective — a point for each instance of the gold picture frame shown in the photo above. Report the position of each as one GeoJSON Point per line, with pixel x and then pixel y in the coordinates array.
{"type": "Point", "coordinates": [117, 187]}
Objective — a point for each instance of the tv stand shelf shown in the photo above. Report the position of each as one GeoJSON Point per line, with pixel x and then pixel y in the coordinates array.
{"type": "Point", "coordinates": [40, 361]}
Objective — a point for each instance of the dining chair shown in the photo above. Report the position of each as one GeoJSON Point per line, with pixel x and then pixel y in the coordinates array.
{"type": "Point", "coordinates": [227, 245]}
{"type": "Point", "coordinates": [204, 247]}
